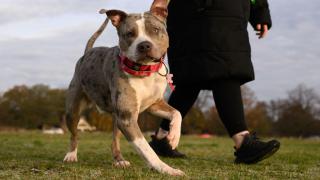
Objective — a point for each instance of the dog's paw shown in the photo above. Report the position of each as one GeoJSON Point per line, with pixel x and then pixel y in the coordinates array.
{"type": "Point", "coordinates": [174, 136]}
{"type": "Point", "coordinates": [71, 157]}
{"type": "Point", "coordinates": [173, 172]}
{"type": "Point", "coordinates": [173, 140]}
{"type": "Point", "coordinates": [175, 130]}
{"type": "Point", "coordinates": [121, 164]}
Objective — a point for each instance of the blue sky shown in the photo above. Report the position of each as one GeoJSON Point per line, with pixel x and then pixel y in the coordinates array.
{"type": "Point", "coordinates": [40, 42]}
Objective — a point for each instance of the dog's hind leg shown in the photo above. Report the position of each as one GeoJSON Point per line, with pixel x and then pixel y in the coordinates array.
{"type": "Point", "coordinates": [76, 102]}
{"type": "Point", "coordinates": [164, 110]}
{"type": "Point", "coordinates": [119, 161]}
{"type": "Point", "coordinates": [127, 123]}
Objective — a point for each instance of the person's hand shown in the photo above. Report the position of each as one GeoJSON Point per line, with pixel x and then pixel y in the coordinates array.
{"type": "Point", "coordinates": [262, 30]}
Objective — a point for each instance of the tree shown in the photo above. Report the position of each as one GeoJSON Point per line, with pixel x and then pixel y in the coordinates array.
{"type": "Point", "coordinates": [298, 114]}
{"type": "Point", "coordinates": [255, 114]}
{"type": "Point", "coordinates": [194, 122]}
{"type": "Point", "coordinates": [214, 124]}
{"type": "Point", "coordinates": [31, 107]}
{"type": "Point", "coordinates": [307, 98]}
{"type": "Point", "coordinates": [258, 120]}
{"type": "Point", "coordinates": [102, 122]}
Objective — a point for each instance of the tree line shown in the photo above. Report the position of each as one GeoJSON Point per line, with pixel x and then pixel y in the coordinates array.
{"type": "Point", "coordinates": [297, 114]}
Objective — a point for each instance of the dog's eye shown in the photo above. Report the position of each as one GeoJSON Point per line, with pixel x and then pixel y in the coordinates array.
{"type": "Point", "coordinates": [130, 34]}
{"type": "Point", "coordinates": [156, 30]}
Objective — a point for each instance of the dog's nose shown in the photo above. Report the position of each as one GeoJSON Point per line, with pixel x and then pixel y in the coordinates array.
{"type": "Point", "coordinates": [144, 46]}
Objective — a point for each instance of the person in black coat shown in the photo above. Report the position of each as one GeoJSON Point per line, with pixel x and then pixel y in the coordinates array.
{"type": "Point", "coordinates": [210, 49]}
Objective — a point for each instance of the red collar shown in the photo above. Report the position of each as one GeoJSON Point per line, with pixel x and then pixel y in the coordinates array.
{"type": "Point", "coordinates": [137, 69]}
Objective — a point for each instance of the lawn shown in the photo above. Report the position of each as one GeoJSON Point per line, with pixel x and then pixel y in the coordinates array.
{"type": "Point", "coordinates": [33, 155]}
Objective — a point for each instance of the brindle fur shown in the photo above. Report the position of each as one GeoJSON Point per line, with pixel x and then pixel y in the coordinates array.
{"type": "Point", "coordinates": [99, 81]}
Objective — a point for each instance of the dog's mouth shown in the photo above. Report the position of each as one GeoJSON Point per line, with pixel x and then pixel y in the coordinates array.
{"type": "Point", "coordinates": [148, 58]}
{"type": "Point", "coordinates": [154, 59]}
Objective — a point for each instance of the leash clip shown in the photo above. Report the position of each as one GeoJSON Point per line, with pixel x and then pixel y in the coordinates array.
{"type": "Point", "coordinates": [167, 75]}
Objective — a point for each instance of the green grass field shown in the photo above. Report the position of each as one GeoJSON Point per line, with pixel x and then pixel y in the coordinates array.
{"type": "Point", "coordinates": [33, 155]}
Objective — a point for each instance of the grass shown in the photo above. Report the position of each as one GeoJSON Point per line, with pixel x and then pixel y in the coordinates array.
{"type": "Point", "coordinates": [33, 155]}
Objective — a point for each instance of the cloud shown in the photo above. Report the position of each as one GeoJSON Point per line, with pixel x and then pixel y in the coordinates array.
{"type": "Point", "coordinates": [20, 10]}
{"type": "Point", "coordinates": [42, 44]}
{"type": "Point", "coordinates": [41, 41]}
{"type": "Point", "coordinates": [289, 55]}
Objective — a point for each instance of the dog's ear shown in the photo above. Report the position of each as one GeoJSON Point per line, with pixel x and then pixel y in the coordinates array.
{"type": "Point", "coordinates": [159, 8]}
{"type": "Point", "coordinates": [116, 16]}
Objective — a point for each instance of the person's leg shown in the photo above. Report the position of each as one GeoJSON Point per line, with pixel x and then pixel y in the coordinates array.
{"type": "Point", "coordinates": [182, 99]}
{"type": "Point", "coordinates": [228, 100]}
{"type": "Point", "coordinates": [249, 149]}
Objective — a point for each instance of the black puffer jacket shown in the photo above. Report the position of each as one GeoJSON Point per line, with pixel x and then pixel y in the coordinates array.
{"type": "Point", "coordinates": [209, 39]}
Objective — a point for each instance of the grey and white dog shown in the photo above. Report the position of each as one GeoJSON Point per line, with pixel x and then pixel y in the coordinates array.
{"type": "Point", "coordinates": [98, 80]}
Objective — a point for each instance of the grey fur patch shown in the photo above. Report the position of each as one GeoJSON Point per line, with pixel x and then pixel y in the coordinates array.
{"type": "Point", "coordinates": [118, 93]}
{"type": "Point", "coordinates": [99, 77]}
{"type": "Point", "coordinates": [125, 116]}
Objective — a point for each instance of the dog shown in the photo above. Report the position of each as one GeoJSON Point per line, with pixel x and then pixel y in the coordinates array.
{"type": "Point", "coordinates": [126, 80]}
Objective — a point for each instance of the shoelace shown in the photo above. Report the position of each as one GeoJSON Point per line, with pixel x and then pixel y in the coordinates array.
{"type": "Point", "coordinates": [253, 139]}
{"type": "Point", "coordinates": [254, 136]}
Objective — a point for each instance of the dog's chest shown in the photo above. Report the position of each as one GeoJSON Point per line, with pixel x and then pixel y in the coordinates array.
{"type": "Point", "coordinates": [148, 89]}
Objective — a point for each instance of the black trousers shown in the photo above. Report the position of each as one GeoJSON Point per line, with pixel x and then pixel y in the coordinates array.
{"type": "Point", "coordinates": [228, 100]}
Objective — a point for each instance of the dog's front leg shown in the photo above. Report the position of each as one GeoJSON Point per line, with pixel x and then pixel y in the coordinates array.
{"type": "Point", "coordinates": [164, 110]}
{"type": "Point", "coordinates": [127, 123]}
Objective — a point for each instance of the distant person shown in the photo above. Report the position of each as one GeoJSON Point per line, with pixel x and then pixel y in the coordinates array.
{"type": "Point", "coordinates": [209, 49]}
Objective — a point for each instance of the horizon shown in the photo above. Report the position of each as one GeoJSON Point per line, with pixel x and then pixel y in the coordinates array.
{"type": "Point", "coordinates": [42, 44]}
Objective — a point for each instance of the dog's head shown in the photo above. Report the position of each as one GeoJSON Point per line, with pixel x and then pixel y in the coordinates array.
{"type": "Point", "coordinates": [142, 37]}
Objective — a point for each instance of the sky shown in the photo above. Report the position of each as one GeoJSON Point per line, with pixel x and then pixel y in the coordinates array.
{"type": "Point", "coordinates": [40, 42]}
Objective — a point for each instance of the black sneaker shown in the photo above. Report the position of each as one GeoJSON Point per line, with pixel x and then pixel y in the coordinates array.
{"type": "Point", "coordinates": [253, 150]}
{"type": "Point", "coordinates": [163, 148]}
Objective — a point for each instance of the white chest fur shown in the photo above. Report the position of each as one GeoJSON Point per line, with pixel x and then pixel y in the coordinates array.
{"type": "Point", "coordinates": [149, 89]}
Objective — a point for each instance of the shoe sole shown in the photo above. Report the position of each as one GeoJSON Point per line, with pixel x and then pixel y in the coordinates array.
{"type": "Point", "coordinates": [266, 154]}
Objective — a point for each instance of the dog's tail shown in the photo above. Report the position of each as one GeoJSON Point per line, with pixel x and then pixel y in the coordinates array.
{"type": "Point", "coordinates": [94, 37]}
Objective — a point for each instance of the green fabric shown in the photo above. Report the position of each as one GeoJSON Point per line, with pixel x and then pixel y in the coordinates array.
{"type": "Point", "coordinates": [253, 2]}
{"type": "Point", "coordinates": [113, 64]}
